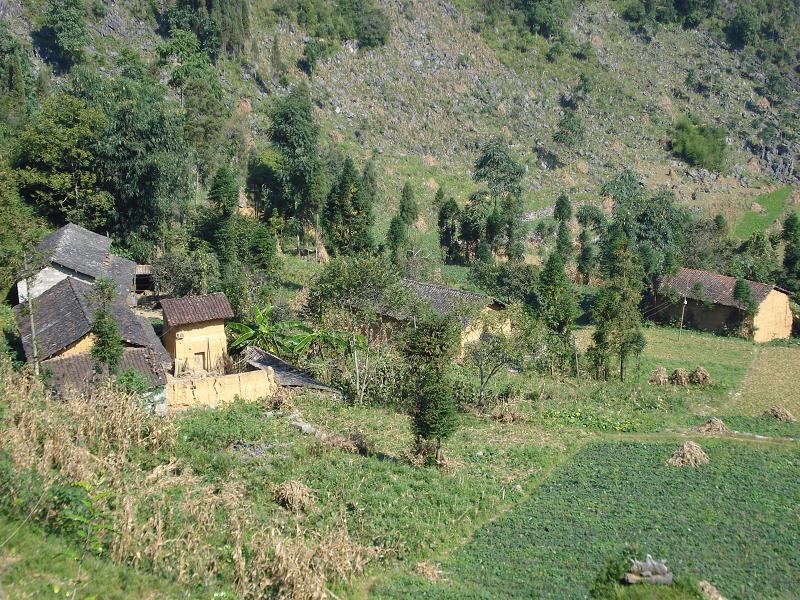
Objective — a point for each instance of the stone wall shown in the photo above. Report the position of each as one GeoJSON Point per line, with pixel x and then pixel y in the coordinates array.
{"type": "Point", "coordinates": [213, 391]}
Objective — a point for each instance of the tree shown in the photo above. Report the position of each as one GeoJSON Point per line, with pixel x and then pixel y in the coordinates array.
{"type": "Point", "coordinates": [397, 237]}
{"type": "Point", "coordinates": [791, 253]}
{"type": "Point", "coordinates": [107, 343]}
{"type": "Point", "coordinates": [744, 26]}
{"type": "Point", "coordinates": [699, 144]}
{"type": "Point", "coordinates": [564, 242]}
{"type": "Point", "coordinates": [616, 313]}
{"type": "Point", "coordinates": [348, 216]}
{"type": "Point", "coordinates": [448, 223]}
{"type": "Point", "coordinates": [56, 163]}
{"type": "Point", "coordinates": [409, 209]}
{"type": "Point", "coordinates": [587, 258]}
{"type": "Point", "coordinates": [223, 195]}
{"type": "Point", "coordinates": [353, 294]}
{"type": "Point", "coordinates": [428, 349]}
{"type": "Point", "coordinates": [497, 348]}
{"type": "Point", "coordinates": [556, 298]}
{"type": "Point", "coordinates": [67, 20]}
{"type": "Point", "coordinates": [499, 170]}
{"type": "Point", "coordinates": [563, 209]}
{"type": "Point", "coordinates": [184, 272]}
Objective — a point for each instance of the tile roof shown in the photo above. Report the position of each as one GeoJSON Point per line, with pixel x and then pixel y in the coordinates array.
{"type": "Point", "coordinates": [75, 373]}
{"type": "Point", "coordinates": [87, 253]}
{"type": "Point", "coordinates": [286, 375]}
{"type": "Point", "coordinates": [196, 309]}
{"type": "Point", "coordinates": [64, 314]}
{"type": "Point", "coordinates": [713, 287]}
{"type": "Point", "coordinates": [443, 299]}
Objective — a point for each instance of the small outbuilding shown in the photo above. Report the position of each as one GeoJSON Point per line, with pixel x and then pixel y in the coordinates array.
{"type": "Point", "coordinates": [706, 301]}
{"type": "Point", "coordinates": [194, 332]}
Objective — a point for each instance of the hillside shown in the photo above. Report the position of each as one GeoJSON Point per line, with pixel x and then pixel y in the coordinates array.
{"type": "Point", "coordinates": [446, 81]}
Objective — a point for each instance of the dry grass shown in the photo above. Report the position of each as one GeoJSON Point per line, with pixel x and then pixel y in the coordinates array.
{"type": "Point", "coordinates": [712, 426]}
{"type": "Point", "coordinates": [293, 495]}
{"type": "Point", "coordinates": [428, 570]}
{"type": "Point", "coordinates": [771, 379]}
{"type": "Point", "coordinates": [164, 520]}
{"type": "Point", "coordinates": [690, 454]}
{"type": "Point", "coordinates": [779, 412]}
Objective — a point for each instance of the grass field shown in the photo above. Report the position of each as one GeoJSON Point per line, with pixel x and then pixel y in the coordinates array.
{"type": "Point", "coordinates": [772, 379]}
{"type": "Point", "coordinates": [773, 203]}
{"type": "Point", "coordinates": [734, 522]}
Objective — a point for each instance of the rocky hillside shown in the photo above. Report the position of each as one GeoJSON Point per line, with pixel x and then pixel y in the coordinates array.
{"type": "Point", "coordinates": [445, 82]}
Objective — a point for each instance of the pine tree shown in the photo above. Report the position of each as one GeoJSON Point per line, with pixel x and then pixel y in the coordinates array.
{"type": "Point", "coordinates": [409, 209]}
{"type": "Point", "coordinates": [616, 311]}
{"type": "Point", "coordinates": [397, 238]}
{"type": "Point", "coordinates": [438, 199]}
{"type": "Point", "coordinates": [223, 194]}
{"type": "Point", "coordinates": [348, 215]}
{"type": "Point", "coordinates": [564, 242]}
{"type": "Point", "coordinates": [449, 217]}
{"type": "Point", "coordinates": [558, 307]}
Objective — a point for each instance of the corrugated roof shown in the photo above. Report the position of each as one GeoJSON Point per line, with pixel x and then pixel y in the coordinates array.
{"type": "Point", "coordinates": [74, 373]}
{"type": "Point", "coordinates": [286, 375]}
{"type": "Point", "coordinates": [64, 314]}
{"type": "Point", "coordinates": [196, 309]}
{"type": "Point", "coordinates": [706, 286]}
{"type": "Point", "coordinates": [87, 253]}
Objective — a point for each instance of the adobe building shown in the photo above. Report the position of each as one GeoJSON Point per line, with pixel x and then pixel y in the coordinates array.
{"type": "Point", "coordinates": [707, 302]}
{"type": "Point", "coordinates": [194, 332]}
{"type": "Point", "coordinates": [77, 253]}
{"type": "Point", "coordinates": [194, 335]}
{"type": "Point", "coordinates": [61, 323]}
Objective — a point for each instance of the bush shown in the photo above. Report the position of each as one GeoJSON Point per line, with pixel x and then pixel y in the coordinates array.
{"type": "Point", "coordinates": [698, 144]}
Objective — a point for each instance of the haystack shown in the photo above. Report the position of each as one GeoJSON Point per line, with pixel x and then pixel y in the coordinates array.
{"type": "Point", "coordinates": [709, 591]}
{"type": "Point", "coordinates": [689, 454]}
{"type": "Point", "coordinates": [293, 495]}
{"type": "Point", "coordinates": [659, 377]}
{"type": "Point", "coordinates": [713, 425]}
{"type": "Point", "coordinates": [780, 413]}
{"type": "Point", "coordinates": [679, 377]}
{"type": "Point", "coordinates": [700, 377]}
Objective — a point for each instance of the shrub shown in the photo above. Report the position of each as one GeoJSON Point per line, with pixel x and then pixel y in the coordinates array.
{"type": "Point", "coordinates": [698, 144]}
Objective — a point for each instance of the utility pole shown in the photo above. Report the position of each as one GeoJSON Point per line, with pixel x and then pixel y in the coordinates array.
{"type": "Point", "coordinates": [28, 284]}
{"type": "Point", "coordinates": [683, 310]}
{"type": "Point", "coordinates": [575, 348]}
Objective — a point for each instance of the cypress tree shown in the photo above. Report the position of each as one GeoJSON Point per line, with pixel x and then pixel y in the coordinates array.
{"type": "Point", "coordinates": [558, 307]}
{"type": "Point", "coordinates": [348, 215]}
{"type": "Point", "coordinates": [449, 216]}
{"type": "Point", "coordinates": [409, 209]}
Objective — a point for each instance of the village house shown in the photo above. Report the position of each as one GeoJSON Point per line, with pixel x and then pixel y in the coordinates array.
{"type": "Point", "coordinates": [194, 336]}
{"type": "Point", "coordinates": [706, 301]}
{"type": "Point", "coordinates": [446, 301]}
{"type": "Point", "coordinates": [194, 332]}
{"type": "Point", "coordinates": [77, 253]}
{"type": "Point", "coordinates": [61, 323]}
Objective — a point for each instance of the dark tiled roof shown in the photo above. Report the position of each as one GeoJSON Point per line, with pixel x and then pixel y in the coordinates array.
{"type": "Point", "coordinates": [64, 313]}
{"type": "Point", "coordinates": [87, 253]}
{"type": "Point", "coordinates": [443, 299]}
{"type": "Point", "coordinates": [286, 375]}
{"type": "Point", "coordinates": [714, 287]}
{"type": "Point", "coordinates": [77, 248]}
{"type": "Point", "coordinates": [122, 271]}
{"type": "Point", "coordinates": [74, 373]}
{"type": "Point", "coordinates": [196, 309]}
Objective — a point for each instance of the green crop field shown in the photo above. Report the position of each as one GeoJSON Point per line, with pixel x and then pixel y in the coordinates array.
{"type": "Point", "coordinates": [734, 522]}
{"type": "Point", "coordinates": [773, 203]}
